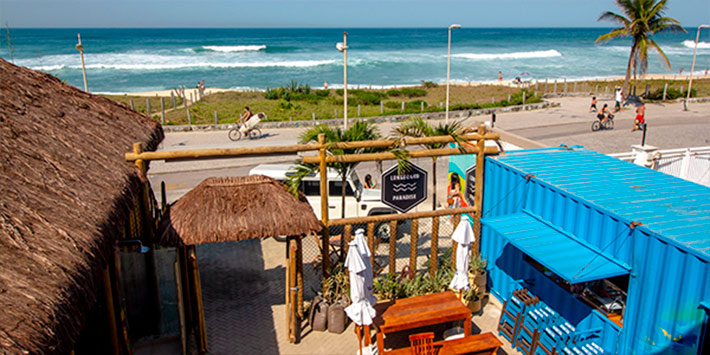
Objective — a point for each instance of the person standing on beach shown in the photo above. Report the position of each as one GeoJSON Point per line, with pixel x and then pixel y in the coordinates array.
{"type": "Point", "coordinates": [500, 76]}
{"type": "Point", "coordinates": [619, 97]}
{"type": "Point", "coordinates": [325, 85]}
{"type": "Point", "coordinates": [640, 120]}
{"type": "Point", "coordinates": [594, 104]}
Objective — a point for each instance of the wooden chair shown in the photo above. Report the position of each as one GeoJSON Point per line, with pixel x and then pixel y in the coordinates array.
{"type": "Point", "coordinates": [422, 343]}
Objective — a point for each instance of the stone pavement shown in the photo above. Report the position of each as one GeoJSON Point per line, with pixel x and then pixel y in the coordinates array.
{"type": "Point", "coordinates": [243, 288]}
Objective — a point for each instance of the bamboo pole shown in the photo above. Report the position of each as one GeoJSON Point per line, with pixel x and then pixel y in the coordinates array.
{"type": "Point", "coordinates": [352, 158]}
{"type": "Point", "coordinates": [324, 209]}
{"type": "Point", "coordinates": [201, 327]}
{"type": "Point", "coordinates": [292, 291]}
{"type": "Point", "coordinates": [180, 306]}
{"type": "Point", "coordinates": [454, 245]}
{"type": "Point", "coordinates": [400, 216]}
{"type": "Point", "coordinates": [414, 240]}
{"type": "Point", "coordinates": [80, 47]}
{"type": "Point", "coordinates": [295, 148]}
{"type": "Point", "coordinates": [434, 245]}
{"type": "Point", "coordinates": [110, 310]}
{"type": "Point", "coordinates": [287, 285]}
{"type": "Point", "coordinates": [371, 244]}
{"type": "Point", "coordinates": [478, 194]}
{"type": "Point", "coordinates": [187, 289]}
{"type": "Point", "coordinates": [347, 236]}
{"type": "Point", "coordinates": [299, 275]}
{"type": "Point", "coordinates": [393, 247]}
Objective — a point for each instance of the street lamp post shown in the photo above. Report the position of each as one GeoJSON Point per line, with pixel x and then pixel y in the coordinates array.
{"type": "Point", "coordinates": [448, 70]}
{"type": "Point", "coordinates": [692, 67]}
{"type": "Point", "coordinates": [343, 47]}
{"type": "Point", "coordinates": [80, 47]}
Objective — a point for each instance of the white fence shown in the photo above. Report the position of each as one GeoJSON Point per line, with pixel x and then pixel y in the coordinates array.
{"type": "Point", "coordinates": [692, 164]}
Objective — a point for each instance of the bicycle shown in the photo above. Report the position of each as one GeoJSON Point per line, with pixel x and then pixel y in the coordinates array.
{"type": "Point", "coordinates": [249, 129]}
{"type": "Point", "coordinates": [609, 124]}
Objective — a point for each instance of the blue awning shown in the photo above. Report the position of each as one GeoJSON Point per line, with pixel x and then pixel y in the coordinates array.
{"type": "Point", "coordinates": [567, 256]}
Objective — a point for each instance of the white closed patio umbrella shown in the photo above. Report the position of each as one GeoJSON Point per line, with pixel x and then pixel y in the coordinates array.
{"type": "Point", "coordinates": [358, 263]}
{"type": "Point", "coordinates": [464, 236]}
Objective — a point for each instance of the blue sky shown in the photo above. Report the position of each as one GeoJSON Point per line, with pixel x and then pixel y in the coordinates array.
{"type": "Point", "coordinates": [324, 13]}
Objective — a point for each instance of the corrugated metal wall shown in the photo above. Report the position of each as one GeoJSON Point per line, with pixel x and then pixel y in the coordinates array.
{"type": "Point", "coordinates": [666, 286]}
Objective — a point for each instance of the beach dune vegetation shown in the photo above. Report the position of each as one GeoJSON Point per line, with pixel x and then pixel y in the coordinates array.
{"type": "Point", "coordinates": [640, 20]}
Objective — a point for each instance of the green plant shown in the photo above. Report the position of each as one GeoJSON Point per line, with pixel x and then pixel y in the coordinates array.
{"type": "Point", "coordinates": [393, 92]}
{"type": "Point", "coordinates": [671, 94]}
{"type": "Point", "coordinates": [337, 284]}
{"type": "Point", "coordinates": [641, 19]}
{"type": "Point", "coordinates": [393, 104]}
{"type": "Point", "coordinates": [322, 93]}
{"type": "Point", "coordinates": [413, 92]}
{"type": "Point", "coordinates": [388, 287]}
{"type": "Point", "coordinates": [429, 84]}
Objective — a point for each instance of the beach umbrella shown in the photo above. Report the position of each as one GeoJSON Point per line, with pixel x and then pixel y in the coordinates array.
{"type": "Point", "coordinates": [464, 236]}
{"type": "Point", "coordinates": [358, 263]}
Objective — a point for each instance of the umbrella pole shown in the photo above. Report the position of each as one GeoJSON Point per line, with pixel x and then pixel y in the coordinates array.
{"type": "Point", "coordinates": [359, 338]}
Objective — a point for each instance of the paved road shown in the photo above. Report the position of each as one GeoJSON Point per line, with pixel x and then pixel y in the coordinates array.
{"type": "Point", "coordinates": [669, 127]}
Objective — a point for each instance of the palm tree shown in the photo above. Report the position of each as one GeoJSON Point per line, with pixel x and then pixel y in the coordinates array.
{"type": "Point", "coordinates": [417, 127]}
{"type": "Point", "coordinates": [640, 20]}
{"type": "Point", "coordinates": [359, 131]}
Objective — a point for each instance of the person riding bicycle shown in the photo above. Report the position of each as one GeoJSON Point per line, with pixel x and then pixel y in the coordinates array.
{"type": "Point", "coordinates": [601, 115]}
{"type": "Point", "coordinates": [245, 116]}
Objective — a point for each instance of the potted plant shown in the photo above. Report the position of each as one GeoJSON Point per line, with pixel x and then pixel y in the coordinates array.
{"type": "Point", "coordinates": [473, 299]}
{"type": "Point", "coordinates": [477, 267]}
{"type": "Point", "coordinates": [337, 297]}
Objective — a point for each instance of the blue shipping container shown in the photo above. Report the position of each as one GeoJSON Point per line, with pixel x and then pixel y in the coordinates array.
{"type": "Point", "coordinates": [555, 220]}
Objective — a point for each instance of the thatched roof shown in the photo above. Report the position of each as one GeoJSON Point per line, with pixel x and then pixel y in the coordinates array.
{"type": "Point", "coordinates": [237, 208]}
{"type": "Point", "coordinates": [65, 191]}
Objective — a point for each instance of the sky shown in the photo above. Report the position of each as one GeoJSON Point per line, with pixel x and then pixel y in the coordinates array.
{"type": "Point", "coordinates": [324, 13]}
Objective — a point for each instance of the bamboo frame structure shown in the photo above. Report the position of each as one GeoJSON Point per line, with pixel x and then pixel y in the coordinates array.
{"type": "Point", "coordinates": [189, 275]}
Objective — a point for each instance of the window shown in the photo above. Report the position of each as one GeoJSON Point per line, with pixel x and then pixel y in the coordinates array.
{"type": "Point", "coordinates": [310, 188]}
{"type": "Point", "coordinates": [335, 188]}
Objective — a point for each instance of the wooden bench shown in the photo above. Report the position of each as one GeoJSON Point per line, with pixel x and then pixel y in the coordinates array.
{"type": "Point", "coordinates": [478, 344]}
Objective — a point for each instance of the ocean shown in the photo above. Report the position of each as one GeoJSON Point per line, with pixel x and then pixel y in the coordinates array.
{"type": "Point", "coordinates": [133, 60]}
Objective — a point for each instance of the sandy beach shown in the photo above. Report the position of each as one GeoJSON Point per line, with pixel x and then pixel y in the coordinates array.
{"type": "Point", "coordinates": [509, 83]}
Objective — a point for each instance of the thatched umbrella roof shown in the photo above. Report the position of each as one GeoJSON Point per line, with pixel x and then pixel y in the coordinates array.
{"type": "Point", "coordinates": [237, 208]}
{"type": "Point", "coordinates": [65, 193]}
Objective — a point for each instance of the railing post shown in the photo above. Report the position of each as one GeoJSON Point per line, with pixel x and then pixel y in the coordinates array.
{"type": "Point", "coordinates": [371, 244]}
{"type": "Point", "coordinates": [478, 193]}
{"type": "Point", "coordinates": [324, 209]}
{"type": "Point", "coordinates": [434, 245]}
{"type": "Point", "coordinates": [414, 238]}
{"type": "Point", "coordinates": [347, 236]}
{"type": "Point", "coordinates": [393, 247]}
{"type": "Point", "coordinates": [162, 110]}
{"type": "Point", "coordinates": [455, 245]}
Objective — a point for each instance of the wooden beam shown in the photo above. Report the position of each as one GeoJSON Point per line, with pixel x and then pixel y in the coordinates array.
{"type": "Point", "coordinates": [294, 148]}
{"type": "Point", "coordinates": [401, 216]}
{"type": "Point", "coordinates": [352, 158]}
{"type": "Point", "coordinates": [434, 245]}
{"type": "Point", "coordinates": [413, 244]}
{"type": "Point", "coordinates": [393, 247]}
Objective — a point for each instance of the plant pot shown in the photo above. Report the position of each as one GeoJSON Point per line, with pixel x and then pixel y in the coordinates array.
{"type": "Point", "coordinates": [318, 317]}
{"type": "Point", "coordinates": [481, 280]}
{"type": "Point", "coordinates": [337, 321]}
{"type": "Point", "coordinates": [475, 305]}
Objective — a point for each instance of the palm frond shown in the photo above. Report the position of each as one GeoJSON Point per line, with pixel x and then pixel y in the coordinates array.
{"type": "Point", "coordinates": [615, 33]}
{"type": "Point", "coordinates": [296, 174]}
{"type": "Point", "coordinates": [664, 60]}
{"type": "Point", "coordinates": [403, 163]}
{"type": "Point", "coordinates": [614, 18]}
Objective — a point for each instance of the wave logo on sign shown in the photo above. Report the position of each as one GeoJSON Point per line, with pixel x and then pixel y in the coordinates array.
{"type": "Point", "coordinates": [404, 187]}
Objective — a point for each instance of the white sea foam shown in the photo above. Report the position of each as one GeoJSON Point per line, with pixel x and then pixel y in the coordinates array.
{"type": "Point", "coordinates": [691, 44]}
{"type": "Point", "coordinates": [245, 48]}
{"type": "Point", "coordinates": [512, 55]}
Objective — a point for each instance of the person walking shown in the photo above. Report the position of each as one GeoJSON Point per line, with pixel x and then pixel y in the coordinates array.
{"type": "Point", "coordinates": [619, 97]}
{"type": "Point", "coordinates": [593, 106]}
{"type": "Point", "coordinates": [640, 120]}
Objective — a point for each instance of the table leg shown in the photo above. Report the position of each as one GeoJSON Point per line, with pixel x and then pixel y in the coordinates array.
{"type": "Point", "coordinates": [380, 342]}
{"type": "Point", "coordinates": [467, 325]}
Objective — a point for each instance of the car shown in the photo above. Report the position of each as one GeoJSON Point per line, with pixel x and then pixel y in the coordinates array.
{"type": "Point", "coordinates": [359, 201]}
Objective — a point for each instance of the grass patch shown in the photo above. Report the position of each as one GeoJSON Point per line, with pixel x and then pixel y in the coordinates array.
{"type": "Point", "coordinates": [302, 102]}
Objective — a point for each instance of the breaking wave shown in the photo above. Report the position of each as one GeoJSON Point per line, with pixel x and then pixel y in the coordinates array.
{"type": "Point", "coordinates": [513, 55]}
{"type": "Point", "coordinates": [228, 49]}
{"type": "Point", "coordinates": [691, 44]}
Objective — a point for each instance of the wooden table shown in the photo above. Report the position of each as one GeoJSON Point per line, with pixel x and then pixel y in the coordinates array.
{"type": "Point", "coordinates": [420, 311]}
